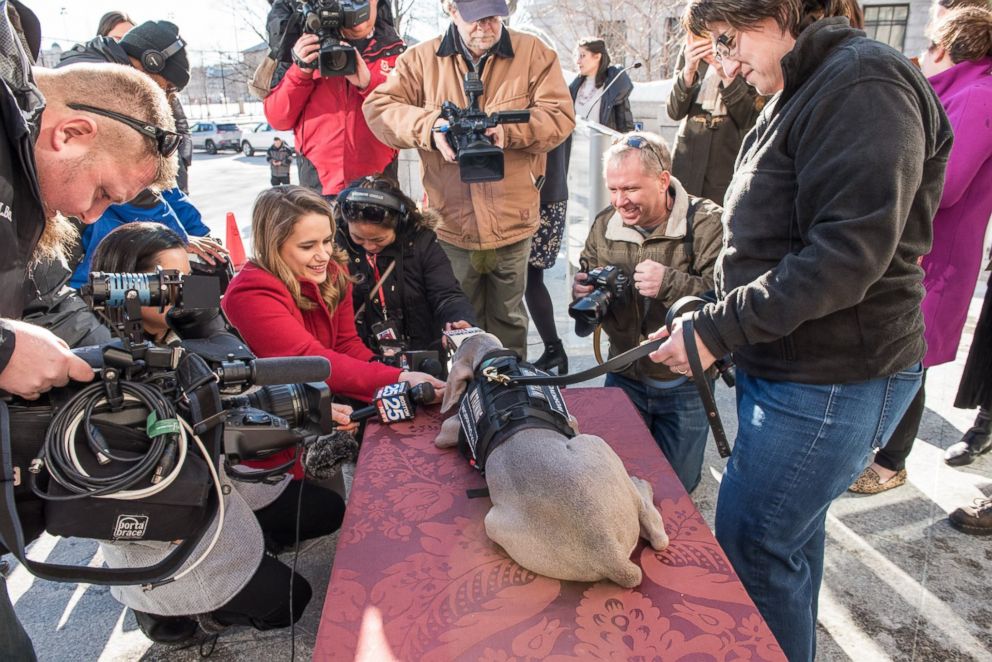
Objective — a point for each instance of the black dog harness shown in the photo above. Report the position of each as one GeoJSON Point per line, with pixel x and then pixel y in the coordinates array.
{"type": "Point", "coordinates": [493, 408]}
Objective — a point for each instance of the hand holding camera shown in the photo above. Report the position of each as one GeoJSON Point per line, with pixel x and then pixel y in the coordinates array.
{"type": "Point", "coordinates": [648, 277]}
{"type": "Point", "coordinates": [40, 361]}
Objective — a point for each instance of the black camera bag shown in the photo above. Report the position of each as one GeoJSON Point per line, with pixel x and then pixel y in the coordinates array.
{"type": "Point", "coordinates": [178, 511]}
{"type": "Point", "coordinates": [204, 405]}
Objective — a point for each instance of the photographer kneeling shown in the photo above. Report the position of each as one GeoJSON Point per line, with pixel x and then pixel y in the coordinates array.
{"type": "Point", "coordinates": [404, 288]}
{"type": "Point", "coordinates": [238, 583]}
{"type": "Point", "coordinates": [666, 242]}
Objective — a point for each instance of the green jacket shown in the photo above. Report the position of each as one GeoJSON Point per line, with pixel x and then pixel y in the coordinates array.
{"type": "Point", "coordinates": [610, 242]}
{"type": "Point", "coordinates": [706, 147]}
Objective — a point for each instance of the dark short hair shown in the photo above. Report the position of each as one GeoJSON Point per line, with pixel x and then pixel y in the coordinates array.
{"type": "Point", "coordinates": [111, 20]}
{"type": "Point", "coordinates": [792, 16]}
{"type": "Point", "coordinates": [132, 247]}
{"type": "Point", "coordinates": [598, 45]}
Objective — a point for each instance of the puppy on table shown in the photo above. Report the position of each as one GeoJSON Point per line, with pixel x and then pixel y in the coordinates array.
{"type": "Point", "coordinates": [563, 503]}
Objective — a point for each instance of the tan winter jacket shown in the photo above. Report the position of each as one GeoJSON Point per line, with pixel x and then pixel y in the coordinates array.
{"type": "Point", "coordinates": [612, 242]}
{"type": "Point", "coordinates": [522, 73]}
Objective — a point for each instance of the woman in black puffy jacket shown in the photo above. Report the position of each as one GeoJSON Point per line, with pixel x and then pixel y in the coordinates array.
{"type": "Point", "coordinates": [391, 244]}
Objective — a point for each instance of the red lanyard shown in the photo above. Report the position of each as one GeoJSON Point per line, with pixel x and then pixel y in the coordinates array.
{"type": "Point", "coordinates": [371, 257]}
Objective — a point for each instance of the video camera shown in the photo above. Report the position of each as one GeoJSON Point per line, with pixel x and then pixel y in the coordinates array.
{"type": "Point", "coordinates": [325, 18]}
{"type": "Point", "coordinates": [479, 160]}
{"type": "Point", "coordinates": [133, 455]}
{"type": "Point", "coordinates": [611, 285]}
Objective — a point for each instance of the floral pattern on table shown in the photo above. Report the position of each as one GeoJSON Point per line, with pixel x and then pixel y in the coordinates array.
{"type": "Point", "coordinates": [414, 554]}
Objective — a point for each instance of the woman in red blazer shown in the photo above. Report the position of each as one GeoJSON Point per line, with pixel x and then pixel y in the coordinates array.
{"type": "Point", "coordinates": [294, 297]}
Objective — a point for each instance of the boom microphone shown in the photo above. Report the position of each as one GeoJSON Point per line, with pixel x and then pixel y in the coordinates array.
{"type": "Point", "coordinates": [395, 403]}
{"type": "Point", "coordinates": [285, 370]}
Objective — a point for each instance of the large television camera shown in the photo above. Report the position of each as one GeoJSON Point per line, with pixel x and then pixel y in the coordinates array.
{"type": "Point", "coordinates": [325, 18]}
{"type": "Point", "coordinates": [479, 160]}
{"type": "Point", "coordinates": [133, 455]}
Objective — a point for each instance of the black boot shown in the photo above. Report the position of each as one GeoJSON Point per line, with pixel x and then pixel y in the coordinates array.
{"type": "Point", "coordinates": [975, 442]}
{"type": "Point", "coordinates": [553, 357]}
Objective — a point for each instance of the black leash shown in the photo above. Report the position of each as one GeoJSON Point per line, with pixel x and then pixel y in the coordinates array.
{"type": "Point", "coordinates": [623, 360]}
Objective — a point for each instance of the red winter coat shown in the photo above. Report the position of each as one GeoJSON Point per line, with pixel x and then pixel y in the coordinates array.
{"type": "Point", "coordinates": [326, 117]}
{"type": "Point", "coordinates": [260, 306]}
{"type": "Point", "coordinates": [262, 309]}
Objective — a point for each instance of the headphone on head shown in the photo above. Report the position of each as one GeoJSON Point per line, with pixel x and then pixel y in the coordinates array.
{"type": "Point", "coordinates": [363, 200]}
{"type": "Point", "coordinates": [153, 61]}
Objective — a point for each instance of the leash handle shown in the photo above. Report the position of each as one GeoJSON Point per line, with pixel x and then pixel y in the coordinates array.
{"type": "Point", "coordinates": [703, 387]}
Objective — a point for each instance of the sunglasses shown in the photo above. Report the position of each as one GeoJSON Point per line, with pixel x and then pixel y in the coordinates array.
{"type": "Point", "coordinates": [640, 142]}
{"type": "Point", "coordinates": [725, 47]}
{"type": "Point", "coordinates": [167, 142]}
{"type": "Point", "coordinates": [369, 206]}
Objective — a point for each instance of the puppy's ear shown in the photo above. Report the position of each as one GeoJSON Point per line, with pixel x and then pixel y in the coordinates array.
{"type": "Point", "coordinates": [459, 377]}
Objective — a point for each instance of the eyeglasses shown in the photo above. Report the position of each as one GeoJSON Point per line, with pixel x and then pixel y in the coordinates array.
{"type": "Point", "coordinates": [640, 142]}
{"type": "Point", "coordinates": [725, 46]}
{"type": "Point", "coordinates": [167, 142]}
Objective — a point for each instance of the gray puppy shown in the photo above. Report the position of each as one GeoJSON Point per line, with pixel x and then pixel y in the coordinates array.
{"type": "Point", "coordinates": [564, 508]}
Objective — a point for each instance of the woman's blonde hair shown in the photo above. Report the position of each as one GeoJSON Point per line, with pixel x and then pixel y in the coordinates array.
{"type": "Point", "coordinates": [273, 218]}
{"type": "Point", "coordinates": [965, 34]}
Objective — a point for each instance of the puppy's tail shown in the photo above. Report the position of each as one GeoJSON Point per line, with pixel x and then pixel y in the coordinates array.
{"type": "Point", "coordinates": [626, 574]}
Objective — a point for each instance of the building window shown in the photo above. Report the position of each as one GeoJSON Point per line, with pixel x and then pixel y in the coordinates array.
{"type": "Point", "coordinates": [887, 24]}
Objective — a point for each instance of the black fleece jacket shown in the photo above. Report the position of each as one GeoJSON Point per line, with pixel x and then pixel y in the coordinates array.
{"type": "Point", "coordinates": [422, 293]}
{"type": "Point", "coordinates": [829, 209]}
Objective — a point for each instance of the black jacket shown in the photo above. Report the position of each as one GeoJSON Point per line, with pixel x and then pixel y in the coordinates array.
{"type": "Point", "coordinates": [422, 281]}
{"type": "Point", "coordinates": [614, 106]}
{"type": "Point", "coordinates": [828, 211]}
{"type": "Point", "coordinates": [22, 216]}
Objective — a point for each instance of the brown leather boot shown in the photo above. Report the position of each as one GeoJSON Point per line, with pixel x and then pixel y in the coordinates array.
{"type": "Point", "coordinates": [975, 519]}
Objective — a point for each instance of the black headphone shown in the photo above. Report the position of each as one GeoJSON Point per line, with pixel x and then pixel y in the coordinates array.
{"type": "Point", "coordinates": [372, 198]}
{"type": "Point", "coordinates": [153, 61]}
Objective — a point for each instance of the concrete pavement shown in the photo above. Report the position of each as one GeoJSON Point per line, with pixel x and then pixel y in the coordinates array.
{"type": "Point", "coordinates": [899, 582]}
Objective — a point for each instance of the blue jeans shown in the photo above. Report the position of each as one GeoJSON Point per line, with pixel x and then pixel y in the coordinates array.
{"type": "Point", "coordinates": [798, 447]}
{"type": "Point", "coordinates": [677, 421]}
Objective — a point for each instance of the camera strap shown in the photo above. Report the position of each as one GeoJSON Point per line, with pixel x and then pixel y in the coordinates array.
{"type": "Point", "coordinates": [12, 536]}
{"type": "Point", "coordinates": [623, 360]}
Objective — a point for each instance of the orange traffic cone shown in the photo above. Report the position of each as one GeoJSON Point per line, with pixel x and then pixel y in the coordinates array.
{"type": "Point", "coordinates": [234, 245]}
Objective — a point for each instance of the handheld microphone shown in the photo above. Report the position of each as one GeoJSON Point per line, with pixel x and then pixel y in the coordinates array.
{"type": "Point", "coordinates": [636, 65]}
{"type": "Point", "coordinates": [395, 403]}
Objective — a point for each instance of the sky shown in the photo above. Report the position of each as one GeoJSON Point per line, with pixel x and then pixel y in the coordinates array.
{"type": "Point", "coordinates": [206, 25]}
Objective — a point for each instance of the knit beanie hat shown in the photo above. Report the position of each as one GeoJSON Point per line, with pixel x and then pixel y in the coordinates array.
{"type": "Point", "coordinates": [158, 36]}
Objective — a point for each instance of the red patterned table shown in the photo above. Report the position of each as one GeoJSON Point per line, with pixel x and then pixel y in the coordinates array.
{"type": "Point", "coordinates": [415, 577]}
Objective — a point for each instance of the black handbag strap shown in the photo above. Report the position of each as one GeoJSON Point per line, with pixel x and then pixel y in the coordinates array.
{"type": "Point", "coordinates": [12, 536]}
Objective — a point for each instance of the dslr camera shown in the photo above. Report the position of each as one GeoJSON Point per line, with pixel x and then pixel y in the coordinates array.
{"type": "Point", "coordinates": [479, 160]}
{"type": "Point", "coordinates": [325, 18]}
{"type": "Point", "coordinates": [611, 285]}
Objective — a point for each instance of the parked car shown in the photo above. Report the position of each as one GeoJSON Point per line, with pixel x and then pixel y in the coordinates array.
{"type": "Point", "coordinates": [212, 136]}
{"type": "Point", "coordinates": [259, 138]}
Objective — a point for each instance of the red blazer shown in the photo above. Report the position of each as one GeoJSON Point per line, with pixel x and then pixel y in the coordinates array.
{"type": "Point", "coordinates": [260, 306]}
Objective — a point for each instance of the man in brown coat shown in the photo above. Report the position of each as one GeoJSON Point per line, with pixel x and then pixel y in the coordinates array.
{"type": "Point", "coordinates": [666, 241]}
{"type": "Point", "coordinates": [486, 228]}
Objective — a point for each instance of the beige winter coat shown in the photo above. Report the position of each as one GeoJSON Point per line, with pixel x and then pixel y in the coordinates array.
{"type": "Point", "coordinates": [402, 111]}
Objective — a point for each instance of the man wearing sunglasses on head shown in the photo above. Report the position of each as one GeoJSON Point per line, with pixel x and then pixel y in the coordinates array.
{"type": "Point", "coordinates": [666, 242]}
{"type": "Point", "coordinates": [55, 161]}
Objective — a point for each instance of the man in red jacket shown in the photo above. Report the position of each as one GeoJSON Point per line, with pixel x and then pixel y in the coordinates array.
{"type": "Point", "coordinates": [325, 113]}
